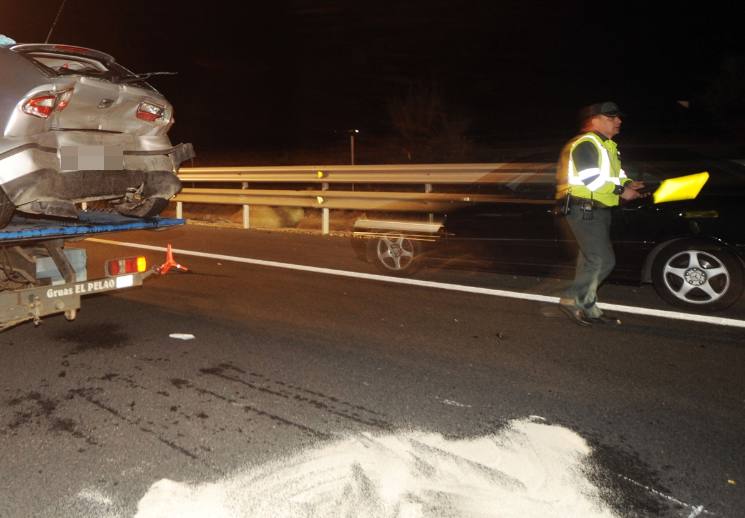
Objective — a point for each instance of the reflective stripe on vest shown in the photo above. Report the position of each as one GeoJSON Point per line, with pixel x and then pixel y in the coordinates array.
{"type": "Point", "coordinates": [594, 177]}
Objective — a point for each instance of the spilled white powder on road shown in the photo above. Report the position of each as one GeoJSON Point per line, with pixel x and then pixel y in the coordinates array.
{"type": "Point", "coordinates": [450, 402]}
{"type": "Point", "coordinates": [528, 470]}
{"type": "Point", "coordinates": [94, 496]}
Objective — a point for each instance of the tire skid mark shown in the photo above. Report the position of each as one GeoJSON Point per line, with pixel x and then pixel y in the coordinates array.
{"type": "Point", "coordinates": [228, 366]}
{"type": "Point", "coordinates": [85, 393]}
{"type": "Point", "coordinates": [129, 383]}
{"type": "Point", "coordinates": [321, 405]}
{"type": "Point", "coordinates": [182, 383]}
{"type": "Point", "coordinates": [379, 423]}
{"type": "Point", "coordinates": [330, 398]}
{"type": "Point", "coordinates": [218, 372]}
{"type": "Point", "coordinates": [250, 408]}
{"type": "Point", "coordinates": [112, 376]}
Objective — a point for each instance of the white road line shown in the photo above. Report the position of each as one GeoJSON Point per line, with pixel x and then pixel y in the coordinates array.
{"type": "Point", "coordinates": [674, 315]}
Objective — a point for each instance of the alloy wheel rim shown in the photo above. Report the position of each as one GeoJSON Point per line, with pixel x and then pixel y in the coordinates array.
{"type": "Point", "coordinates": [696, 277]}
{"type": "Point", "coordinates": [395, 253]}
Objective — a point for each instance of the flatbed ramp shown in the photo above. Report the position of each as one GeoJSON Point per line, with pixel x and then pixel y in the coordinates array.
{"type": "Point", "coordinates": [24, 229]}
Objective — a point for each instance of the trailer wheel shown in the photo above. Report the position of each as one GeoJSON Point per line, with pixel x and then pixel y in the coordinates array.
{"type": "Point", "coordinates": [7, 208]}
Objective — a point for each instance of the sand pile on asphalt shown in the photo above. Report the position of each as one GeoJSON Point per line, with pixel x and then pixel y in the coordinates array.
{"type": "Point", "coordinates": [529, 470]}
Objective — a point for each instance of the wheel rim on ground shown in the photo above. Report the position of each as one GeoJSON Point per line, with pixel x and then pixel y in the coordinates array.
{"type": "Point", "coordinates": [395, 253]}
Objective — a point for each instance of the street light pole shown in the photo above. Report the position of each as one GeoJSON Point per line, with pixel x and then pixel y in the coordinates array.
{"type": "Point", "coordinates": [352, 133]}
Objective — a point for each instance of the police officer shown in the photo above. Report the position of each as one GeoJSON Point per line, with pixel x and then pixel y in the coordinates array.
{"type": "Point", "coordinates": [590, 182]}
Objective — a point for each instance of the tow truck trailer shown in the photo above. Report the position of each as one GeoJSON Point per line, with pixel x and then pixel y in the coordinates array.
{"type": "Point", "coordinates": [40, 277]}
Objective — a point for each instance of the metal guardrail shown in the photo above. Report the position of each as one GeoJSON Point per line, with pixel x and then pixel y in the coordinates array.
{"type": "Point", "coordinates": [362, 178]}
{"type": "Point", "coordinates": [395, 173]}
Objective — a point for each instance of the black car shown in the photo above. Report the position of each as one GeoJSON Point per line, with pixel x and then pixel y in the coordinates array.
{"type": "Point", "coordinates": [692, 251]}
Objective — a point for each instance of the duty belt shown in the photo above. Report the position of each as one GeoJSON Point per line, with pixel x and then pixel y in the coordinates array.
{"type": "Point", "coordinates": [587, 203]}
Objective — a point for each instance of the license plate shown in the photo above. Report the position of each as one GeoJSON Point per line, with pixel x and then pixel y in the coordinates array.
{"type": "Point", "coordinates": [91, 158]}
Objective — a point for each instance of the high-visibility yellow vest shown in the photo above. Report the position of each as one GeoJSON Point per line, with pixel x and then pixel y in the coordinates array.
{"type": "Point", "coordinates": [599, 183]}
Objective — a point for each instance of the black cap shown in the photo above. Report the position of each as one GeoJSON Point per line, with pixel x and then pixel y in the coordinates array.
{"type": "Point", "coordinates": [607, 108]}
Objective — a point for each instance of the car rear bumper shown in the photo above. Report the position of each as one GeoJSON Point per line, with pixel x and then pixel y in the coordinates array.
{"type": "Point", "coordinates": [50, 175]}
{"type": "Point", "coordinates": [51, 192]}
{"type": "Point", "coordinates": [84, 151]}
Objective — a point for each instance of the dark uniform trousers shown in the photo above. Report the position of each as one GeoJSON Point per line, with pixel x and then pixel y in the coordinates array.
{"type": "Point", "coordinates": [595, 260]}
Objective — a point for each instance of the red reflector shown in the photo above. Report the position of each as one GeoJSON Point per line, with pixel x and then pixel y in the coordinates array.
{"type": "Point", "coordinates": [130, 265]}
{"type": "Point", "coordinates": [113, 268]}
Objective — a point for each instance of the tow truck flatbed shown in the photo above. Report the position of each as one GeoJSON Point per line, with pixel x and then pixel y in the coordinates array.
{"type": "Point", "coordinates": [26, 229]}
{"type": "Point", "coordinates": [38, 277]}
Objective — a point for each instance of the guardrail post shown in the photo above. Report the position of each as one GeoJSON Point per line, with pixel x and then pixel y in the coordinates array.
{"type": "Point", "coordinates": [246, 209]}
{"type": "Point", "coordinates": [428, 189]}
{"type": "Point", "coordinates": [325, 213]}
{"type": "Point", "coordinates": [179, 209]}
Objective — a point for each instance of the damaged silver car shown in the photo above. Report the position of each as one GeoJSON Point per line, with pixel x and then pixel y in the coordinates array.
{"type": "Point", "coordinates": [77, 127]}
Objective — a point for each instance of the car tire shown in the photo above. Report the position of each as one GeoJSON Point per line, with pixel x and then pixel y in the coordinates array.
{"type": "Point", "coordinates": [698, 276]}
{"type": "Point", "coordinates": [147, 208]}
{"type": "Point", "coordinates": [7, 208]}
{"type": "Point", "coordinates": [395, 254]}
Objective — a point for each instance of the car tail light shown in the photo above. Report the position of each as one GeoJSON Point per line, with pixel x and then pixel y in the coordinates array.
{"type": "Point", "coordinates": [127, 265]}
{"type": "Point", "coordinates": [43, 104]}
{"type": "Point", "coordinates": [40, 106]}
{"type": "Point", "coordinates": [63, 99]}
{"type": "Point", "coordinates": [150, 112]}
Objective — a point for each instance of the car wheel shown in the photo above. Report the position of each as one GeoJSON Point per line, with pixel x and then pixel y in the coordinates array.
{"type": "Point", "coordinates": [697, 276]}
{"type": "Point", "coordinates": [147, 208]}
{"type": "Point", "coordinates": [7, 208]}
{"type": "Point", "coordinates": [395, 254]}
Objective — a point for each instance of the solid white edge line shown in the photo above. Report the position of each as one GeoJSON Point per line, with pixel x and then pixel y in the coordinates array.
{"type": "Point", "coordinates": [691, 317]}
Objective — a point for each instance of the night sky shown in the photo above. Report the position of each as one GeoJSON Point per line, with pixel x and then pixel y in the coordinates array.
{"type": "Point", "coordinates": [292, 73]}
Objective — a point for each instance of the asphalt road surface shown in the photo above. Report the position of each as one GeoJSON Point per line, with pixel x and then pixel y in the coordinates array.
{"type": "Point", "coordinates": [347, 395]}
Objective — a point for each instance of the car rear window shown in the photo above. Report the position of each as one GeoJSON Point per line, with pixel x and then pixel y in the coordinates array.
{"type": "Point", "coordinates": [55, 63]}
{"type": "Point", "coordinates": [72, 64]}
{"type": "Point", "coordinates": [61, 64]}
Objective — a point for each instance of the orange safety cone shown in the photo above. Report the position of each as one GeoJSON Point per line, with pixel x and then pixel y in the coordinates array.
{"type": "Point", "coordinates": [170, 263]}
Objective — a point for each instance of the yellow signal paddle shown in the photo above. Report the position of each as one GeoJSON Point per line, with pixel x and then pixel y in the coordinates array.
{"type": "Point", "coordinates": [680, 188]}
